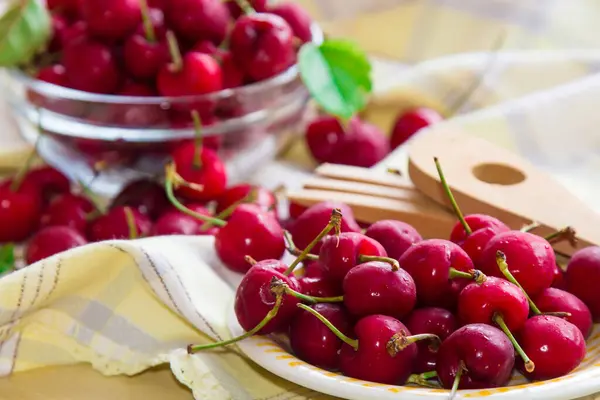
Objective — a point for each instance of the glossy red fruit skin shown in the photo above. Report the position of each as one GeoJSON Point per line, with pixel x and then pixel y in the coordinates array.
{"type": "Point", "coordinates": [409, 123]}
{"type": "Point", "coordinates": [312, 221]}
{"type": "Point", "coordinates": [315, 281]}
{"type": "Point", "coordinates": [50, 241]}
{"type": "Point", "coordinates": [143, 58]}
{"type": "Point", "coordinates": [530, 259]}
{"type": "Point", "coordinates": [254, 299]}
{"type": "Point", "coordinates": [374, 288]}
{"type": "Point", "coordinates": [395, 236]}
{"type": "Point", "coordinates": [157, 19]}
{"type": "Point", "coordinates": [145, 195]}
{"type": "Point", "coordinates": [437, 321]}
{"type": "Point", "coordinates": [59, 26]}
{"type": "Point", "coordinates": [484, 228]}
{"type": "Point", "coordinates": [68, 210]}
{"type": "Point", "coordinates": [372, 362]}
{"type": "Point", "coordinates": [232, 74]}
{"type": "Point", "coordinates": [197, 20]}
{"type": "Point", "coordinates": [262, 45]}
{"type": "Point", "coordinates": [478, 303]}
{"type": "Point", "coordinates": [555, 345]}
{"type": "Point", "coordinates": [20, 212]}
{"type": "Point", "coordinates": [298, 19]}
{"type": "Point", "coordinates": [211, 175]}
{"type": "Point", "coordinates": [174, 222]}
{"type": "Point", "coordinates": [113, 225]}
{"type": "Point", "coordinates": [323, 135]}
{"type": "Point", "coordinates": [559, 279]}
{"type": "Point", "coordinates": [249, 232]}
{"type": "Point", "coordinates": [552, 300]}
{"type": "Point", "coordinates": [75, 33]}
{"type": "Point", "coordinates": [263, 197]}
{"type": "Point", "coordinates": [236, 11]}
{"type": "Point", "coordinates": [583, 276]}
{"type": "Point", "coordinates": [50, 181]}
{"type": "Point", "coordinates": [429, 263]}
{"type": "Point", "coordinates": [68, 8]}
{"type": "Point", "coordinates": [295, 210]}
{"type": "Point", "coordinates": [111, 20]}
{"type": "Point", "coordinates": [55, 74]}
{"type": "Point", "coordinates": [487, 353]}
{"type": "Point", "coordinates": [339, 254]}
{"type": "Point", "coordinates": [200, 74]}
{"type": "Point", "coordinates": [91, 67]}
{"type": "Point", "coordinates": [314, 342]}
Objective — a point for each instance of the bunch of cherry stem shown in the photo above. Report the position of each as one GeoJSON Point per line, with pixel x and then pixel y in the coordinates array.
{"type": "Point", "coordinates": [149, 31]}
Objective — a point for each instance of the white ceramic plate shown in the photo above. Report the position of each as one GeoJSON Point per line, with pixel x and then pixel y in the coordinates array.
{"type": "Point", "coordinates": [275, 358]}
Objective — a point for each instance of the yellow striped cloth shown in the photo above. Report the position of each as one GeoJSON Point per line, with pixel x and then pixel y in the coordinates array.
{"type": "Point", "coordinates": [124, 306]}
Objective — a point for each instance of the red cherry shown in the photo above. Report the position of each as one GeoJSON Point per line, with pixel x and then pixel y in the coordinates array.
{"type": "Point", "coordinates": [483, 353]}
{"type": "Point", "coordinates": [113, 225]}
{"type": "Point", "coordinates": [262, 197]}
{"type": "Point", "coordinates": [144, 58]}
{"type": "Point", "coordinates": [50, 241]}
{"type": "Point", "coordinates": [74, 34]}
{"type": "Point", "coordinates": [69, 8]}
{"type": "Point", "coordinates": [559, 278]}
{"type": "Point", "coordinates": [431, 264]}
{"type": "Point", "coordinates": [556, 300]}
{"type": "Point", "coordinates": [314, 342]}
{"type": "Point", "coordinates": [296, 210]}
{"type": "Point", "coordinates": [433, 320]}
{"type": "Point", "coordinates": [156, 16]}
{"type": "Point", "coordinates": [159, 4]}
{"type": "Point", "coordinates": [308, 225]}
{"type": "Point", "coordinates": [48, 180]}
{"type": "Point", "coordinates": [198, 74]}
{"type": "Point", "coordinates": [210, 173]}
{"type": "Point", "coordinates": [91, 67]}
{"type": "Point", "coordinates": [236, 11]}
{"type": "Point", "coordinates": [233, 76]}
{"type": "Point", "coordinates": [484, 228]}
{"type": "Point", "coordinates": [111, 19]}
{"type": "Point", "coordinates": [530, 259]}
{"type": "Point", "coordinates": [409, 123]}
{"type": "Point", "coordinates": [55, 74]}
{"type": "Point", "coordinates": [315, 281]}
{"type": "Point", "coordinates": [376, 288]}
{"type": "Point", "coordinates": [144, 195]}
{"type": "Point", "coordinates": [249, 232]}
{"type": "Point", "coordinates": [20, 212]}
{"type": "Point", "coordinates": [254, 297]}
{"type": "Point", "coordinates": [68, 210]}
{"type": "Point", "coordinates": [556, 347]}
{"type": "Point", "coordinates": [395, 236]}
{"type": "Point", "coordinates": [196, 20]}
{"type": "Point", "coordinates": [59, 26]}
{"type": "Point", "coordinates": [583, 278]}
{"type": "Point", "coordinates": [174, 222]}
{"type": "Point", "coordinates": [298, 19]}
{"type": "Point", "coordinates": [262, 44]}
{"type": "Point", "coordinates": [340, 254]}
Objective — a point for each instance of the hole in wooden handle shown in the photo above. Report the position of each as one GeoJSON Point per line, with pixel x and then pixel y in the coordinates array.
{"type": "Point", "coordinates": [498, 174]}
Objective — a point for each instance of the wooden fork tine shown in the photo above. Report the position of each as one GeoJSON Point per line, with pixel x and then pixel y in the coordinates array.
{"type": "Point", "coordinates": [364, 175]}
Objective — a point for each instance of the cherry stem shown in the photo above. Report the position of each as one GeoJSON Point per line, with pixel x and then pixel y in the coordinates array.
{"type": "Point", "coordinates": [530, 227]}
{"type": "Point", "coordinates": [350, 342]}
{"type": "Point", "coordinates": [450, 196]}
{"type": "Point", "coordinates": [245, 6]}
{"type": "Point", "coordinates": [423, 379]}
{"type": "Point", "coordinates": [334, 223]}
{"type": "Point", "coordinates": [250, 260]}
{"type": "Point", "coordinates": [559, 314]}
{"type": "Point", "coordinates": [270, 315]}
{"type": "Point", "coordinates": [461, 368]}
{"type": "Point", "coordinates": [503, 265]}
{"type": "Point", "coordinates": [197, 163]}
{"type": "Point", "coordinates": [295, 251]}
{"type": "Point", "coordinates": [226, 213]}
{"type": "Point", "coordinates": [474, 274]}
{"type": "Point", "coordinates": [133, 230]}
{"type": "Point", "coordinates": [529, 365]}
{"type": "Point", "coordinates": [394, 171]}
{"type": "Point", "coordinates": [148, 27]}
{"type": "Point", "coordinates": [393, 262]}
{"type": "Point", "coordinates": [400, 341]}
{"type": "Point", "coordinates": [567, 234]}
{"type": "Point", "coordinates": [309, 299]}
{"type": "Point", "coordinates": [176, 59]}
{"type": "Point", "coordinates": [171, 178]}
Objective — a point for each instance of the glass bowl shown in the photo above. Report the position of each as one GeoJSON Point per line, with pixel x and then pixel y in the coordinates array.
{"type": "Point", "coordinates": [113, 139]}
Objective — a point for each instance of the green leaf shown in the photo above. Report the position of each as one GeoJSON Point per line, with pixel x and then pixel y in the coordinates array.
{"type": "Point", "coordinates": [337, 74]}
{"type": "Point", "coordinates": [25, 29]}
{"type": "Point", "coordinates": [7, 258]}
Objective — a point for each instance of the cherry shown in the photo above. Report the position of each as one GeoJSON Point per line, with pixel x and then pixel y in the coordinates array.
{"type": "Point", "coordinates": [50, 241]}
{"type": "Point", "coordinates": [236, 11]}
{"type": "Point", "coordinates": [75, 33]}
{"type": "Point", "coordinates": [295, 210]}
{"type": "Point", "coordinates": [309, 223]}
{"type": "Point", "coordinates": [298, 19]}
{"type": "Point", "coordinates": [475, 356]}
{"type": "Point", "coordinates": [174, 222]}
{"type": "Point", "coordinates": [20, 211]}
{"type": "Point", "coordinates": [200, 166]}
{"type": "Point", "coordinates": [395, 236]}
{"type": "Point", "coordinates": [314, 342]}
{"type": "Point", "coordinates": [91, 66]}
{"type": "Point", "coordinates": [232, 75]}
{"type": "Point", "coordinates": [55, 74]}
{"type": "Point", "coordinates": [555, 345]}
{"type": "Point", "coordinates": [559, 278]}
{"type": "Point", "coordinates": [316, 283]}
{"type": "Point", "coordinates": [159, 4]}
{"type": "Point", "coordinates": [583, 276]}
{"type": "Point", "coordinates": [378, 288]}
{"type": "Point", "coordinates": [261, 197]}
{"type": "Point", "coordinates": [361, 144]}
{"type": "Point", "coordinates": [193, 74]}
{"type": "Point", "coordinates": [410, 122]}
{"type": "Point", "coordinates": [530, 259]}
{"type": "Point", "coordinates": [111, 19]}
{"type": "Point", "coordinates": [155, 21]}
{"type": "Point", "coordinates": [262, 45]}
{"type": "Point", "coordinates": [438, 267]}
{"type": "Point", "coordinates": [197, 20]}
{"type": "Point", "coordinates": [69, 8]}
{"type": "Point", "coordinates": [59, 26]}
{"type": "Point", "coordinates": [144, 195]}
{"type": "Point", "coordinates": [556, 300]}
{"type": "Point", "coordinates": [50, 181]}
{"type": "Point", "coordinates": [340, 253]}
{"type": "Point", "coordinates": [117, 225]}
{"type": "Point", "coordinates": [68, 210]}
